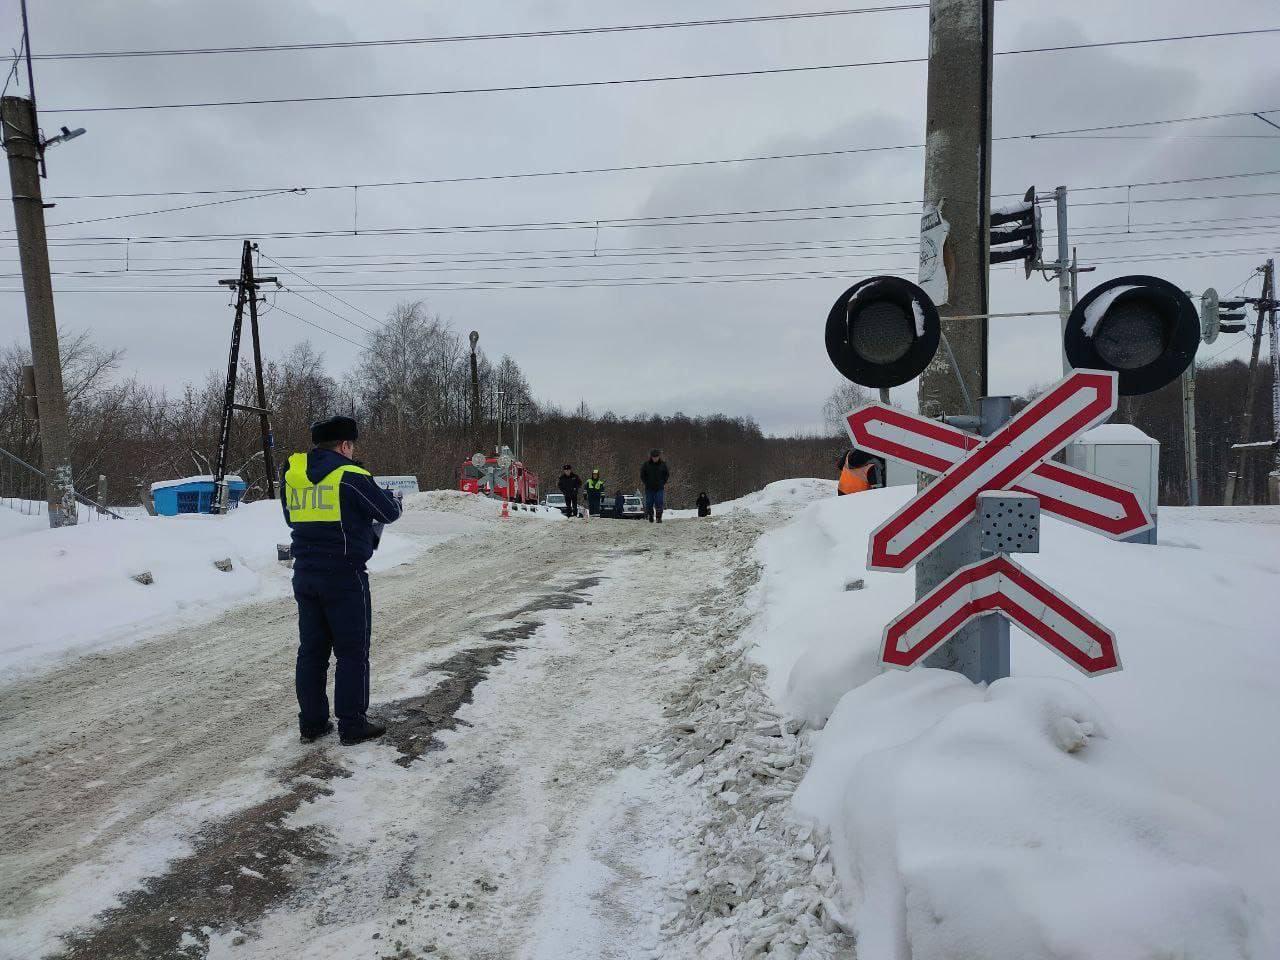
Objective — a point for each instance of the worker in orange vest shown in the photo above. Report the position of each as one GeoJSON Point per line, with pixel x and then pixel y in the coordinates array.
{"type": "Point", "coordinates": [857, 473]}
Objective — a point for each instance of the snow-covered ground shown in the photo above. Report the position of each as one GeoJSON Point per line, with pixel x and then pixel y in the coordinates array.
{"type": "Point", "coordinates": [618, 739]}
{"type": "Point", "coordinates": [1053, 815]}
{"type": "Point", "coordinates": [69, 592]}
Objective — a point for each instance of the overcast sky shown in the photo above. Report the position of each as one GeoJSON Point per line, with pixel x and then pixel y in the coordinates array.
{"type": "Point", "coordinates": [745, 348]}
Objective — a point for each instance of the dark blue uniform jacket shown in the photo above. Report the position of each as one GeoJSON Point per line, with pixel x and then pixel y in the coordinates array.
{"type": "Point", "coordinates": [326, 546]}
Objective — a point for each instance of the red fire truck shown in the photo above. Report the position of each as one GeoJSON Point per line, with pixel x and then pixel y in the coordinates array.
{"type": "Point", "coordinates": [502, 477]}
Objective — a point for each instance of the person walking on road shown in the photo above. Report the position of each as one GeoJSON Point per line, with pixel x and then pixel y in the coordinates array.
{"type": "Point", "coordinates": [704, 504]}
{"type": "Point", "coordinates": [569, 484]}
{"type": "Point", "coordinates": [336, 512]}
{"type": "Point", "coordinates": [654, 475]}
{"type": "Point", "coordinates": [595, 492]}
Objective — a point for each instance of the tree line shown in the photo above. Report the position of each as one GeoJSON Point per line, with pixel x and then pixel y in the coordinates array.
{"type": "Point", "coordinates": [411, 392]}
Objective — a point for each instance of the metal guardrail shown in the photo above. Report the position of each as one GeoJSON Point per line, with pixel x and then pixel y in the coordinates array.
{"type": "Point", "coordinates": [22, 488]}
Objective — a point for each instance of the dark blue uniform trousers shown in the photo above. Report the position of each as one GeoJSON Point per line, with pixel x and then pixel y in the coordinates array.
{"type": "Point", "coordinates": [334, 616]}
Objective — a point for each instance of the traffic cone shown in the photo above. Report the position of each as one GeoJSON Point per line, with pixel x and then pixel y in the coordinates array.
{"type": "Point", "coordinates": [505, 513]}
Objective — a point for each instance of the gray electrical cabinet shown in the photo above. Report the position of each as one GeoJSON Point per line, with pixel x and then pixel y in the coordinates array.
{"type": "Point", "coordinates": [1123, 454]}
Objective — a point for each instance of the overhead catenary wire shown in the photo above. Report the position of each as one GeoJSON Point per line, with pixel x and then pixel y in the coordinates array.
{"type": "Point", "coordinates": [479, 37]}
{"type": "Point", "coordinates": [632, 81]}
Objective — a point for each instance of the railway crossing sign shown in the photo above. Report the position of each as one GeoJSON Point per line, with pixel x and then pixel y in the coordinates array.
{"type": "Point", "coordinates": [1004, 460]}
{"type": "Point", "coordinates": [1014, 458]}
{"type": "Point", "coordinates": [999, 585]}
{"type": "Point", "coordinates": [932, 447]}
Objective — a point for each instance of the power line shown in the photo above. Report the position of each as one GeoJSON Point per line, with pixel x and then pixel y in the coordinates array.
{"type": "Point", "coordinates": [474, 37]}
{"type": "Point", "coordinates": [544, 226]}
{"type": "Point", "coordinates": [631, 81]}
{"type": "Point", "coordinates": [321, 306]}
{"type": "Point", "coordinates": [332, 333]}
{"type": "Point", "coordinates": [320, 288]}
{"type": "Point", "coordinates": [626, 169]}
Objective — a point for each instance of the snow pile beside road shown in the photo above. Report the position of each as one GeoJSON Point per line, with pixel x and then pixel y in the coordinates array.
{"type": "Point", "coordinates": [819, 612]}
{"type": "Point", "coordinates": [1052, 815]}
{"type": "Point", "coordinates": [785, 495]}
{"type": "Point", "coordinates": [69, 591]}
{"type": "Point", "coordinates": [14, 522]}
{"type": "Point", "coordinates": [474, 506]}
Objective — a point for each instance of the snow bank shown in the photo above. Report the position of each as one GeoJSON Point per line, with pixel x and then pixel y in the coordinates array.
{"type": "Point", "coordinates": [1021, 822]}
{"type": "Point", "coordinates": [816, 629]}
{"type": "Point", "coordinates": [781, 495]}
{"type": "Point", "coordinates": [1005, 823]}
{"type": "Point", "coordinates": [69, 591]}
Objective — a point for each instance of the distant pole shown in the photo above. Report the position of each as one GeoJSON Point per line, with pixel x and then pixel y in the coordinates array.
{"type": "Point", "coordinates": [957, 179]}
{"type": "Point", "coordinates": [22, 144]}
{"type": "Point", "coordinates": [246, 287]}
{"type": "Point", "coordinates": [1235, 479]}
{"type": "Point", "coordinates": [268, 440]}
{"type": "Point", "coordinates": [1065, 273]}
{"type": "Point", "coordinates": [498, 449]}
{"type": "Point", "coordinates": [1273, 478]}
{"type": "Point", "coordinates": [475, 382]}
{"type": "Point", "coordinates": [1189, 434]}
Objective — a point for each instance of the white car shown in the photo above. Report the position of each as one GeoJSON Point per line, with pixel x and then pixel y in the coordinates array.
{"type": "Point", "coordinates": [632, 508]}
{"type": "Point", "coordinates": [555, 501]}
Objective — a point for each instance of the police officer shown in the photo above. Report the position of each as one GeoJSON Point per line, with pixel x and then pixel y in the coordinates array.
{"type": "Point", "coordinates": [595, 492]}
{"type": "Point", "coordinates": [336, 512]}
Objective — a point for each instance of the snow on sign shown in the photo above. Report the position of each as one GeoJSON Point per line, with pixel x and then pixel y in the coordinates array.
{"type": "Point", "coordinates": [998, 585]}
{"type": "Point", "coordinates": [999, 462]}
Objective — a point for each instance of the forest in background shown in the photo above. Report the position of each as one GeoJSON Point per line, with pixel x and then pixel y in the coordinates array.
{"type": "Point", "coordinates": [411, 394]}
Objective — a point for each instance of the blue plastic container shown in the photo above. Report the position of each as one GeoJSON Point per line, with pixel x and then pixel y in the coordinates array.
{"type": "Point", "coordinates": [192, 495]}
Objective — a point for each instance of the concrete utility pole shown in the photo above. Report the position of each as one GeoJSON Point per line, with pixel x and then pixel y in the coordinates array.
{"type": "Point", "coordinates": [498, 414]}
{"type": "Point", "coordinates": [475, 382]}
{"type": "Point", "coordinates": [957, 179]}
{"type": "Point", "coordinates": [22, 144]}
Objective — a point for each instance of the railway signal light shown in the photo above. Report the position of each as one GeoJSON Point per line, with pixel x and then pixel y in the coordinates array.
{"type": "Point", "coordinates": [1016, 233]}
{"type": "Point", "coordinates": [1232, 321]}
{"type": "Point", "coordinates": [882, 332]}
{"type": "Point", "coordinates": [1144, 328]}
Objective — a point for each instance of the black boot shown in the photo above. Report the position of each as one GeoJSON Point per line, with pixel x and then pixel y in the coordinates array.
{"type": "Point", "coordinates": [659, 516]}
{"type": "Point", "coordinates": [360, 732]}
{"type": "Point", "coordinates": [311, 736]}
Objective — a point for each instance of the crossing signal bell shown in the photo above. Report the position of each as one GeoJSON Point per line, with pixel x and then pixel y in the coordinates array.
{"type": "Point", "coordinates": [1016, 233]}
{"type": "Point", "coordinates": [882, 332]}
{"type": "Point", "coordinates": [1144, 328]}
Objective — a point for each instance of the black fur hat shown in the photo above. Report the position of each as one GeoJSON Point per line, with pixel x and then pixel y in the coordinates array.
{"type": "Point", "coordinates": [334, 430]}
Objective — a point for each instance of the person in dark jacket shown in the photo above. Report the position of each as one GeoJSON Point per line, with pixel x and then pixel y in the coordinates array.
{"type": "Point", "coordinates": [336, 512]}
{"type": "Point", "coordinates": [595, 492]}
{"type": "Point", "coordinates": [704, 504]}
{"type": "Point", "coordinates": [654, 475]}
{"type": "Point", "coordinates": [619, 501]}
{"type": "Point", "coordinates": [569, 483]}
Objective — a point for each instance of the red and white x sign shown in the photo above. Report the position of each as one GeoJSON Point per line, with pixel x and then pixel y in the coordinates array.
{"type": "Point", "coordinates": [998, 585]}
{"type": "Point", "coordinates": [1012, 458]}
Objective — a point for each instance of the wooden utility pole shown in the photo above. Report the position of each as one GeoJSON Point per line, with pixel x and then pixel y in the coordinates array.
{"type": "Point", "coordinates": [1236, 479]}
{"type": "Point", "coordinates": [957, 184]}
{"type": "Point", "coordinates": [246, 287]}
{"type": "Point", "coordinates": [22, 144]}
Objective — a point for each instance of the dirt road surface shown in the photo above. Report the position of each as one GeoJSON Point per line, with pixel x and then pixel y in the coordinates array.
{"type": "Point", "coordinates": [524, 804]}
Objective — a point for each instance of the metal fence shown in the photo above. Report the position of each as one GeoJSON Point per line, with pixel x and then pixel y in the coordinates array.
{"type": "Point", "coordinates": [22, 488]}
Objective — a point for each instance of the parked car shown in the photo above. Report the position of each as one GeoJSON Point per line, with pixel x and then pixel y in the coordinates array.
{"type": "Point", "coordinates": [555, 501]}
{"type": "Point", "coordinates": [632, 508]}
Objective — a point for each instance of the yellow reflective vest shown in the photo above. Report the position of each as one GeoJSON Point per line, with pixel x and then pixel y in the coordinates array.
{"type": "Point", "coordinates": [309, 502]}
